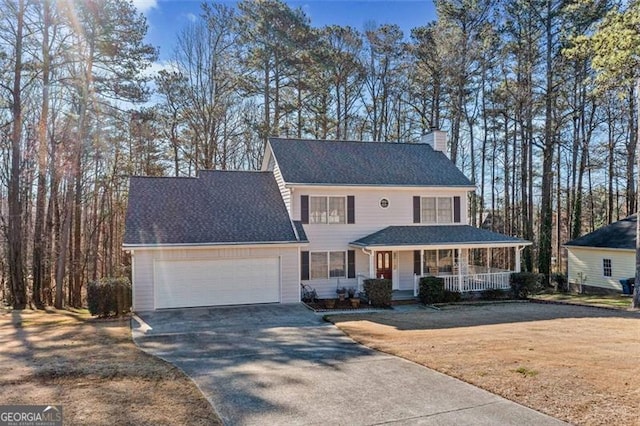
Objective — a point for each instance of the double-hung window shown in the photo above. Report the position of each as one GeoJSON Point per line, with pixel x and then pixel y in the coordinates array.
{"type": "Point", "coordinates": [327, 210]}
{"type": "Point", "coordinates": [325, 265]}
{"type": "Point", "coordinates": [437, 210]}
{"type": "Point", "coordinates": [607, 268]}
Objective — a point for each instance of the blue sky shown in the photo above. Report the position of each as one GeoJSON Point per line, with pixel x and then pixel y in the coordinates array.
{"type": "Point", "coordinates": [167, 17]}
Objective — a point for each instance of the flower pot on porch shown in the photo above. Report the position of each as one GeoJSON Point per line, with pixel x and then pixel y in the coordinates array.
{"type": "Point", "coordinates": [355, 302]}
{"type": "Point", "coordinates": [330, 303]}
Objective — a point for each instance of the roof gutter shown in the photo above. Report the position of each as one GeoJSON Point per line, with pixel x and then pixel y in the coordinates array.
{"type": "Point", "coordinates": [570, 246]}
{"type": "Point", "coordinates": [213, 245]}
{"type": "Point", "coordinates": [375, 185]}
{"type": "Point", "coordinates": [441, 246]}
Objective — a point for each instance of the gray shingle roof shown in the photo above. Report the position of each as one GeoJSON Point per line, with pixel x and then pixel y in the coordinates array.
{"type": "Point", "coordinates": [216, 207]}
{"type": "Point", "coordinates": [364, 163]}
{"type": "Point", "coordinates": [618, 235]}
{"type": "Point", "coordinates": [435, 235]}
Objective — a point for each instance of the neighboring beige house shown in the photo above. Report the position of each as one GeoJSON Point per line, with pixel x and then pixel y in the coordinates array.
{"type": "Point", "coordinates": [603, 257]}
{"type": "Point", "coordinates": [326, 213]}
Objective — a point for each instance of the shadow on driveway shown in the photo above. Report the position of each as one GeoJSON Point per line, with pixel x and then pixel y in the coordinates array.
{"type": "Point", "coordinates": [281, 364]}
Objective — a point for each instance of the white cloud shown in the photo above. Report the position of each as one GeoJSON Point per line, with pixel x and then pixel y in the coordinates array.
{"type": "Point", "coordinates": [191, 17]}
{"type": "Point", "coordinates": [144, 6]}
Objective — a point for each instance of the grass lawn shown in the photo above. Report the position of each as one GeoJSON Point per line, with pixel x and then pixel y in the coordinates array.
{"type": "Point", "coordinates": [94, 370]}
{"type": "Point", "coordinates": [575, 363]}
{"type": "Point", "coordinates": [618, 301]}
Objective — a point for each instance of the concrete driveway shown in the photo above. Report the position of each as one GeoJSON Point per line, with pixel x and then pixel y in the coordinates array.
{"type": "Point", "coordinates": [281, 364]}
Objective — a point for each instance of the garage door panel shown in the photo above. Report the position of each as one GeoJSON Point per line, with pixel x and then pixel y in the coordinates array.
{"type": "Point", "coordinates": [185, 283]}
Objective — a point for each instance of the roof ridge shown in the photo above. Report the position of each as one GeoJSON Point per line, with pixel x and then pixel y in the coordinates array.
{"type": "Point", "coordinates": [351, 141]}
{"type": "Point", "coordinates": [162, 177]}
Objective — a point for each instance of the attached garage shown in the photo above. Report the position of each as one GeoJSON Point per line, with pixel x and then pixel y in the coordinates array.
{"type": "Point", "coordinates": [223, 238]}
{"type": "Point", "coordinates": [188, 283]}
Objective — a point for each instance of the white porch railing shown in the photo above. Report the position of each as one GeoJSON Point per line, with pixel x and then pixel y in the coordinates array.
{"type": "Point", "coordinates": [361, 279]}
{"type": "Point", "coordinates": [470, 282]}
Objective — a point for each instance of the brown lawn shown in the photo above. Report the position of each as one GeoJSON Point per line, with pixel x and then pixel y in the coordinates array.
{"type": "Point", "coordinates": [578, 364]}
{"type": "Point", "coordinates": [94, 370]}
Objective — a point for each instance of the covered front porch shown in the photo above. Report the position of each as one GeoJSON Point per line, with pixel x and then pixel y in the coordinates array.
{"type": "Point", "coordinates": [468, 259]}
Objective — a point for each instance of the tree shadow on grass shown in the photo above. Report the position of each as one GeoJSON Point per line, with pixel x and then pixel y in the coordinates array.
{"type": "Point", "coordinates": [457, 316]}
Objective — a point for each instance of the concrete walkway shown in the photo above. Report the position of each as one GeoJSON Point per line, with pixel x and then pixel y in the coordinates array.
{"type": "Point", "coordinates": [282, 365]}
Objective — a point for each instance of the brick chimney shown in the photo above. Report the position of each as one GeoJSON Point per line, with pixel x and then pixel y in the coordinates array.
{"type": "Point", "coordinates": [437, 139]}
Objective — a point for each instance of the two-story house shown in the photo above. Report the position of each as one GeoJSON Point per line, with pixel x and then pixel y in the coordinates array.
{"type": "Point", "coordinates": [326, 213]}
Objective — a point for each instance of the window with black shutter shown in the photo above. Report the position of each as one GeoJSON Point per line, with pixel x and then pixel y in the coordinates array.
{"type": "Point", "coordinates": [304, 265]}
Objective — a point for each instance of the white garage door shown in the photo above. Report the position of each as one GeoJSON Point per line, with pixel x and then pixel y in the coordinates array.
{"type": "Point", "coordinates": [186, 283]}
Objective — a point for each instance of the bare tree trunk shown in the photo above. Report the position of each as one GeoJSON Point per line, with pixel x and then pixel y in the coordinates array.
{"type": "Point", "coordinates": [16, 265]}
{"type": "Point", "coordinates": [635, 304]}
{"type": "Point", "coordinates": [631, 152]}
{"type": "Point", "coordinates": [63, 247]}
{"type": "Point", "coordinates": [546, 208]}
{"type": "Point", "coordinates": [38, 237]}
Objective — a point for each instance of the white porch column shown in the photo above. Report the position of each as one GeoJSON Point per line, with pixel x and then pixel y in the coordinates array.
{"type": "Point", "coordinates": [518, 249]}
{"type": "Point", "coordinates": [422, 263]}
{"type": "Point", "coordinates": [459, 269]}
{"type": "Point", "coordinates": [372, 269]}
{"type": "Point", "coordinates": [488, 259]}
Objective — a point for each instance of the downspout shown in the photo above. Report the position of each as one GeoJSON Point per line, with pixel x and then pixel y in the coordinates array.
{"type": "Point", "coordinates": [371, 274]}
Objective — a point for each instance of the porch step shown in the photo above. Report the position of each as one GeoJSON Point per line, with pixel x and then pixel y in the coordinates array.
{"type": "Point", "coordinates": [402, 295]}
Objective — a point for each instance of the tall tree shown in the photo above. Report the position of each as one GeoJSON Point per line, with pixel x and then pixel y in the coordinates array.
{"type": "Point", "coordinates": [15, 220]}
{"type": "Point", "coordinates": [616, 51]}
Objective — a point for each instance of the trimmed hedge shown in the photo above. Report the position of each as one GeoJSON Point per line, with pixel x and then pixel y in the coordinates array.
{"type": "Point", "coordinates": [432, 291]}
{"type": "Point", "coordinates": [494, 294]}
{"type": "Point", "coordinates": [378, 291]}
{"type": "Point", "coordinates": [109, 297]}
{"type": "Point", "coordinates": [525, 283]}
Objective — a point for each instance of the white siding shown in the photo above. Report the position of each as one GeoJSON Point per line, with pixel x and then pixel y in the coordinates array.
{"type": "Point", "coordinates": [369, 218]}
{"type": "Point", "coordinates": [284, 191]}
{"type": "Point", "coordinates": [143, 271]}
{"type": "Point", "coordinates": [588, 261]}
{"type": "Point", "coordinates": [270, 164]}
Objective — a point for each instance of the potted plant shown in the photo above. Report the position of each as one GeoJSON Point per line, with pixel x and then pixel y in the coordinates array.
{"type": "Point", "coordinates": [330, 303]}
{"type": "Point", "coordinates": [341, 291]}
{"type": "Point", "coordinates": [351, 292]}
{"type": "Point", "coordinates": [355, 301]}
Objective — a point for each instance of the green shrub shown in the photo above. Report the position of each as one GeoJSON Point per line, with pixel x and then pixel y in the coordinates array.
{"type": "Point", "coordinates": [378, 291]}
{"type": "Point", "coordinates": [494, 294]}
{"type": "Point", "coordinates": [525, 283]}
{"type": "Point", "coordinates": [452, 296]}
{"type": "Point", "coordinates": [432, 291]}
{"type": "Point", "coordinates": [561, 282]}
{"type": "Point", "coordinates": [109, 296]}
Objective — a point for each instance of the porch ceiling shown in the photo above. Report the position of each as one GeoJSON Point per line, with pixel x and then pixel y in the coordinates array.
{"type": "Point", "coordinates": [440, 236]}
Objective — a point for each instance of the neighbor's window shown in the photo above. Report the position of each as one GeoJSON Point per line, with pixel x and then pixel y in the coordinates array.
{"type": "Point", "coordinates": [606, 267]}
{"type": "Point", "coordinates": [437, 210]}
{"type": "Point", "coordinates": [327, 265]}
{"type": "Point", "coordinates": [327, 210]}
